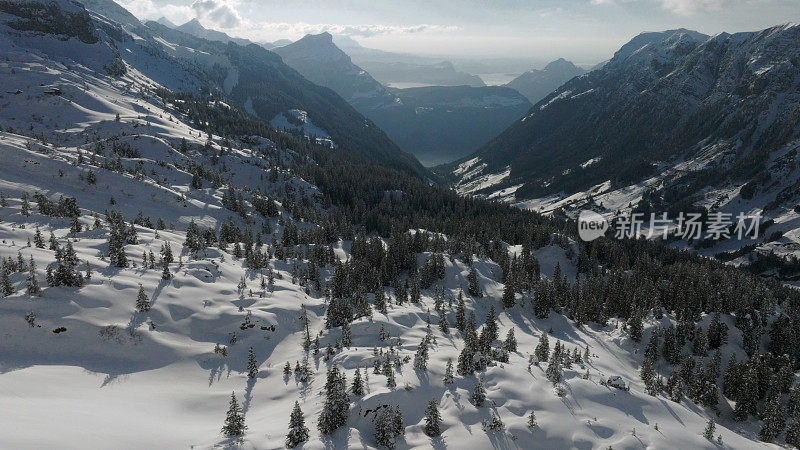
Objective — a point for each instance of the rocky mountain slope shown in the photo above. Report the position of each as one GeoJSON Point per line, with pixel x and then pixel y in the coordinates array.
{"type": "Point", "coordinates": [322, 62]}
{"type": "Point", "coordinates": [251, 77]}
{"type": "Point", "coordinates": [675, 121]}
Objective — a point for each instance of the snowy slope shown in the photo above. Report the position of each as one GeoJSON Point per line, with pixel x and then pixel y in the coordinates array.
{"type": "Point", "coordinates": [80, 367]}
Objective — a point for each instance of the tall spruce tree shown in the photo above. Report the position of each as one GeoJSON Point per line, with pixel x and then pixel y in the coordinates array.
{"type": "Point", "coordinates": [433, 419]}
{"type": "Point", "coordinates": [542, 350]}
{"type": "Point", "coordinates": [388, 426]}
{"type": "Point", "coordinates": [142, 301]}
{"type": "Point", "coordinates": [252, 365]}
{"type": "Point", "coordinates": [298, 431]}
{"type": "Point", "coordinates": [336, 406]}
{"type": "Point", "coordinates": [234, 420]}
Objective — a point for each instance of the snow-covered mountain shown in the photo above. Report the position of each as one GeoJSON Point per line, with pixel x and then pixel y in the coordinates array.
{"type": "Point", "coordinates": [536, 84]}
{"type": "Point", "coordinates": [675, 120]}
{"type": "Point", "coordinates": [196, 29]}
{"type": "Point", "coordinates": [321, 61]}
{"type": "Point", "coordinates": [435, 123]}
{"type": "Point", "coordinates": [162, 249]}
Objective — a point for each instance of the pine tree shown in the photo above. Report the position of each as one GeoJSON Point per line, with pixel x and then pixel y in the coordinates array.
{"type": "Point", "coordinates": [166, 274]}
{"type": "Point", "coordinates": [635, 326]}
{"type": "Point", "coordinates": [478, 396]}
{"type": "Point", "coordinates": [388, 425]}
{"type": "Point", "coordinates": [5, 283]}
{"type": "Point", "coordinates": [448, 372]}
{"type": "Point", "coordinates": [648, 375]}
{"type": "Point", "coordinates": [234, 421]}
{"type": "Point", "coordinates": [717, 332]}
{"type": "Point", "coordinates": [708, 433]}
{"type": "Point", "coordinates": [390, 380]}
{"type": "Point", "coordinates": [421, 356]}
{"type": "Point", "coordinates": [509, 297]}
{"type": "Point", "coordinates": [491, 326]}
{"type": "Point", "coordinates": [32, 284]}
{"type": "Point", "coordinates": [510, 343]}
{"type": "Point", "coordinates": [460, 313]}
{"type": "Point", "coordinates": [358, 385]}
{"type": "Point", "coordinates": [675, 387]}
{"type": "Point", "coordinates": [532, 420]}
{"type": "Point", "coordinates": [346, 335]}
{"type": "Point", "coordinates": [542, 350]}
{"type": "Point", "coordinates": [433, 419]}
{"type": "Point", "coordinates": [793, 432]}
{"type": "Point", "coordinates": [38, 240]}
{"type": "Point", "coordinates": [336, 406]}
{"type": "Point", "coordinates": [554, 370]}
{"type": "Point", "coordinates": [142, 301]}
{"type": "Point", "coordinates": [473, 288]}
{"type": "Point", "coordinates": [298, 432]}
{"type": "Point", "coordinates": [66, 272]}
{"type": "Point", "coordinates": [252, 365]}
{"type": "Point", "coordinates": [774, 419]}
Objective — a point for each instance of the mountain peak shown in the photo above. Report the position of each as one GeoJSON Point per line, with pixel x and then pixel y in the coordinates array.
{"type": "Point", "coordinates": [166, 22]}
{"type": "Point", "coordinates": [560, 64]}
{"type": "Point", "coordinates": [193, 24]}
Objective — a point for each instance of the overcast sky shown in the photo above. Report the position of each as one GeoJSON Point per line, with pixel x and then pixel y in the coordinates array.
{"type": "Point", "coordinates": [585, 31]}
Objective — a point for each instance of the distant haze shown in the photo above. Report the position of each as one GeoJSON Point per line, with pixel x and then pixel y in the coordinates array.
{"type": "Point", "coordinates": [584, 31]}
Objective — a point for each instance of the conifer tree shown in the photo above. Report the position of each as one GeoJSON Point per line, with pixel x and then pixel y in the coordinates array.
{"type": "Point", "coordinates": [542, 350]}
{"type": "Point", "coordinates": [388, 426]}
{"type": "Point", "coordinates": [473, 288]}
{"type": "Point", "coordinates": [774, 419]}
{"type": "Point", "coordinates": [433, 419]}
{"type": "Point", "coordinates": [635, 326]}
{"type": "Point", "coordinates": [510, 343]}
{"type": "Point", "coordinates": [675, 387]}
{"type": "Point", "coordinates": [532, 420]}
{"type": "Point", "coordinates": [234, 421]}
{"type": "Point", "coordinates": [5, 283]}
{"type": "Point", "coordinates": [717, 332]}
{"type": "Point", "coordinates": [793, 431]}
{"type": "Point", "coordinates": [252, 365]}
{"type": "Point", "coordinates": [336, 406]}
{"type": "Point", "coordinates": [347, 339]}
{"type": "Point", "coordinates": [142, 301]}
{"type": "Point", "coordinates": [298, 432]}
{"type": "Point", "coordinates": [32, 285]}
{"type": "Point", "coordinates": [554, 370]}
{"type": "Point", "coordinates": [358, 385]}
{"type": "Point", "coordinates": [478, 396]}
{"type": "Point", "coordinates": [460, 313]}
{"type": "Point", "coordinates": [421, 356]}
{"type": "Point", "coordinates": [708, 433]}
{"type": "Point", "coordinates": [448, 372]}
{"type": "Point", "coordinates": [509, 297]}
{"type": "Point", "coordinates": [38, 240]}
{"type": "Point", "coordinates": [390, 380]}
{"type": "Point", "coordinates": [648, 375]}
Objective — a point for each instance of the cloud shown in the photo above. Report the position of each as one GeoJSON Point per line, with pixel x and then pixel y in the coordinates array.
{"type": "Point", "coordinates": [147, 9]}
{"type": "Point", "coordinates": [220, 13]}
{"type": "Point", "coordinates": [682, 7]}
{"type": "Point", "coordinates": [688, 7]}
{"type": "Point", "coordinates": [300, 28]}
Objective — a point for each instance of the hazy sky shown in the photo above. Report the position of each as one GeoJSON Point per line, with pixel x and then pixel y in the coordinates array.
{"type": "Point", "coordinates": [585, 31]}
